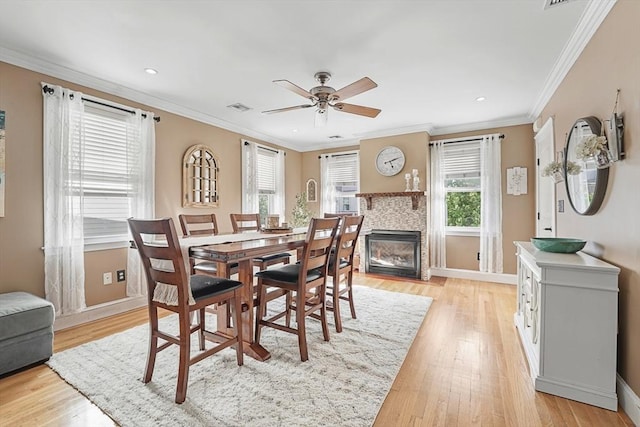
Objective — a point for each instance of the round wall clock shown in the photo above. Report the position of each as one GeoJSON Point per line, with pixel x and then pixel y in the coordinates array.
{"type": "Point", "coordinates": [390, 161]}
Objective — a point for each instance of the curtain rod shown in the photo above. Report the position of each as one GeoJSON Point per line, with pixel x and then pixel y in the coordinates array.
{"type": "Point", "coordinates": [273, 150]}
{"type": "Point", "coordinates": [50, 90]}
{"type": "Point", "coordinates": [336, 155]}
{"type": "Point", "coordinates": [453, 141]}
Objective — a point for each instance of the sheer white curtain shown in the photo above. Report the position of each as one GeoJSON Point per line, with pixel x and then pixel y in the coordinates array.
{"type": "Point", "coordinates": [278, 200]}
{"type": "Point", "coordinates": [327, 203]}
{"type": "Point", "coordinates": [141, 154]}
{"type": "Point", "coordinates": [491, 205]}
{"type": "Point", "coordinates": [250, 203]}
{"type": "Point", "coordinates": [438, 220]}
{"type": "Point", "coordinates": [63, 221]}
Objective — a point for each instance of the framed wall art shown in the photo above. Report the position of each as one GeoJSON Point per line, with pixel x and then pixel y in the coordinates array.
{"type": "Point", "coordinates": [312, 190]}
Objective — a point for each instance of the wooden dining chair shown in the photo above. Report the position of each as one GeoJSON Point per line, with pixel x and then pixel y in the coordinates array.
{"type": "Point", "coordinates": [341, 266]}
{"type": "Point", "coordinates": [170, 287]}
{"type": "Point", "coordinates": [306, 279]}
{"type": "Point", "coordinates": [251, 222]}
{"type": "Point", "coordinates": [203, 225]}
{"type": "Point", "coordinates": [198, 225]}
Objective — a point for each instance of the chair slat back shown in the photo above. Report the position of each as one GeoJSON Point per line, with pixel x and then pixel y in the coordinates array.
{"type": "Point", "coordinates": [159, 249]}
{"type": "Point", "coordinates": [198, 225]}
{"type": "Point", "coordinates": [348, 237]}
{"type": "Point", "coordinates": [245, 222]}
{"type": "Point", "coordinates": [317, 246]}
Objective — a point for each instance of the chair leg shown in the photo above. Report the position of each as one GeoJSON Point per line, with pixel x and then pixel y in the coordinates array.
{"type": "Point", "coordinates": [302, 330]}
{"type": "Point", "coordinates": [288, 303]}
{"type": "Point", "coordinates": [183, 366]}
{"type": "Point", "coordinates": [336, 303]}
{"type": "Point", "coordinates": [262, 308]}
{"type": "Point", "coordinates": [201, 313]}
{"type": "Point", "coordinates": [153, 344]}
{"type": "Point", "coordinates": [237, 323]}
{"type": "Point", "coordinates": [323, 311]}
{"type": "Point", "coordinates": [351, 305]}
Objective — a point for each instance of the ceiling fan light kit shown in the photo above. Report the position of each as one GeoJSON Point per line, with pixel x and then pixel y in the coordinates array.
{"type": "Point", "coordinates": [323, 97]}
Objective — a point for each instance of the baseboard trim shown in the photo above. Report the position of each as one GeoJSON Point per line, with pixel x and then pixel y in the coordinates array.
{"type": "Point", "coordinates": [99, 311]}
{"type": "Point", "coordinates": [509, 279]}
{"type": "Point", "coordinates": [629, 401]}
{"type": "Point", "coordinates": [592, 396]}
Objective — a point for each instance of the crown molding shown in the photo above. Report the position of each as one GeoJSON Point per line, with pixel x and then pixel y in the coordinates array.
{"type": "Point", "coordinates": [425, 127]}
{"type": "Point", "coordinates": [512, 121]}
{"type": "Point", "coordinates": [593, 15]}
{"type": "Point", "coordinates": [76, 77]}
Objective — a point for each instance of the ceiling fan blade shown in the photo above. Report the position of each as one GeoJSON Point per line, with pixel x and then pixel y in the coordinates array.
{"type": "Point", "coordinates": [321, 117]}
{"type": "Point", "coordinates": [357, 109]}
{"type": "Point", "coordinates": [281, 110]}
{"type": "Point", "coordinates": [293, 88]}
{"type": "Point", "coordinates": [355, 88]}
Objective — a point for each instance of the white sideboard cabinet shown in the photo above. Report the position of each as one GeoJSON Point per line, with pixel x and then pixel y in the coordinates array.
{"type": "Point", "coordinates": [567, 320]}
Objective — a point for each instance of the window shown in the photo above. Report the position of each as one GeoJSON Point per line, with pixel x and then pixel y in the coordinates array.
{"type": "Point", "coordinates": [462, 186]}
{"type": "Point", "coordinates": [263, 181]}
{"type": "Point", "coordinates": [107, 173]}
{"type": "Point", "coordinates": [340, 182]}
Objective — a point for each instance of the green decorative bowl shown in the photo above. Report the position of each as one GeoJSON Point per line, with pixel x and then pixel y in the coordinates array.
{"type": "Point", "coordinates": [558, 244]}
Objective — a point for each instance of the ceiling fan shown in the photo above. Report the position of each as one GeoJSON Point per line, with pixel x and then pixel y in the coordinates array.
{"type": "Point", "coordinates": [323, 97]}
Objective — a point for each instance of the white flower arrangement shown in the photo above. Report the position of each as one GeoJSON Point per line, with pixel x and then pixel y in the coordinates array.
{"type": "Point", "coordinates": [552, 168]}
{"type": "Point", "coordinates": [590, 146]}
{"type": "Point", "coordinates": [573, 168]}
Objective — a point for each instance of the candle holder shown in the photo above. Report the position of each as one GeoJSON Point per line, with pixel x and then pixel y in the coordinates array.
{"type": "Point", "coordinates": [407, 178]}
{"type": "Point", "coordinates": [416, 181]}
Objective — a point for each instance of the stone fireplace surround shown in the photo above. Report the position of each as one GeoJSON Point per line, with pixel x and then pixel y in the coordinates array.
{"type": "Point", "coordinates": [396, 211]}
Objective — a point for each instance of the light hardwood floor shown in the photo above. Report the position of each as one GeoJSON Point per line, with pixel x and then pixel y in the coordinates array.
{"type": "Point", "coordinates": [465, 367]}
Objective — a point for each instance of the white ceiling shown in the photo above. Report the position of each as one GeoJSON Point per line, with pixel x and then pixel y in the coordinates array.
{"type": "Point", "coordinates": [431, 59]}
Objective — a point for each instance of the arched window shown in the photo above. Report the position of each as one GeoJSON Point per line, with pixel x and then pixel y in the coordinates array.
{"type": "Point", "coordinates": [200, 177]}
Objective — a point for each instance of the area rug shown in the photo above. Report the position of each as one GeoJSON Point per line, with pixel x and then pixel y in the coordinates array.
{"type": "Point", "coordinates": [343, 383]}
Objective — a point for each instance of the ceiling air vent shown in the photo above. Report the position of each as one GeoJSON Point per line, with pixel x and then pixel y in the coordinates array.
{"type": "Point", "coordinates": [239, 107]}
{"type": "Point", "coordinates": [335, 137]}
{"type": "Point", "coordinates": [552, 3]}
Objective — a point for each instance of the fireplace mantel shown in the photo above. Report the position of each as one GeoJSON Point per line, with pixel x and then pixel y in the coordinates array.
{"type": "Point", "coordinates": [415, 197]}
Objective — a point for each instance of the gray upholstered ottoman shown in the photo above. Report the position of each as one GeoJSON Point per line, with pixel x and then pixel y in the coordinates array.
{"type": "Point", "coordinates": [26, 330]}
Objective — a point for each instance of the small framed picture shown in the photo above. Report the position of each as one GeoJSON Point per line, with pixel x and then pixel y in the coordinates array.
{"type": "Point", "coordinates": [312, 190]}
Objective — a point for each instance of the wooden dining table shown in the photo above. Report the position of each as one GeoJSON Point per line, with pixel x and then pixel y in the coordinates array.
{"type": "Point", "coordinates": [242, 252]}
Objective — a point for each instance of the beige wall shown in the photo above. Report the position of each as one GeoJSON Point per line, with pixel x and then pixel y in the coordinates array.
{"type": "Point", "coordinates": [610, 61]}
{"type": "Point", "coordinates": [21, 230]}
{"type": "Point", "coordinates": [414, 146]}
{"type": "Point", "coordinates": [518, 212]}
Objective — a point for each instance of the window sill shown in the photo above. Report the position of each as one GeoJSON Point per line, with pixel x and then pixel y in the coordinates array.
{"type": "Point", "coordinates": [463, 232]}
{"type": "Point", "coordinates": [92, 247]}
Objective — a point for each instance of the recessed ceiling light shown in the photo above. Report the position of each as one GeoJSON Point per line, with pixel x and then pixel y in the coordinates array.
{"type": "Point", "coordinates": [150, 71]}
{"type": "Point", "coordinates": [480, 98]}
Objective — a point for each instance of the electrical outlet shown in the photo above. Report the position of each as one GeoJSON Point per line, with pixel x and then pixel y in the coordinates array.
{"type": "Point", "coordinates": [120, 275]}
{"type": "Point", "coordinates": [107, 278]}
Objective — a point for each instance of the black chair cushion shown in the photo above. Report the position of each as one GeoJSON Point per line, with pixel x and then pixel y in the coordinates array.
{"type": "Point", "coordinates": [343, 263]}
{"type": "Point", "coordinates": [287, 273]}
{"type": "Point", "coordinates": [211, 267]}
{"type": "Point", "coordinates": [282, 255]}
{"type": "Point", "coordinates": [206, 286]}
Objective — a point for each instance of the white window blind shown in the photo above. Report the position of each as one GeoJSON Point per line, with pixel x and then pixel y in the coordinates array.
{"type": "Point", "coordinates": [462, 160]}
{"type": "Point", "coordinates": [266, 171]}
{"type": "Point", "coordinates": [106, 174]}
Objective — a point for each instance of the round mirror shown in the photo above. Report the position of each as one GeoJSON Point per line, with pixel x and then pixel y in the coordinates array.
{"type": "Point", "coordinates": [585, 183]}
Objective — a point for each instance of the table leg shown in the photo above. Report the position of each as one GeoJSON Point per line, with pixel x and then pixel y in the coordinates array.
{"type": "Point", "coordinates": [245, 275]}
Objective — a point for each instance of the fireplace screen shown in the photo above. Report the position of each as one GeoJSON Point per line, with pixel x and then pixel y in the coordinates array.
{"type": "Point", "coordinates": [393, 252]}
